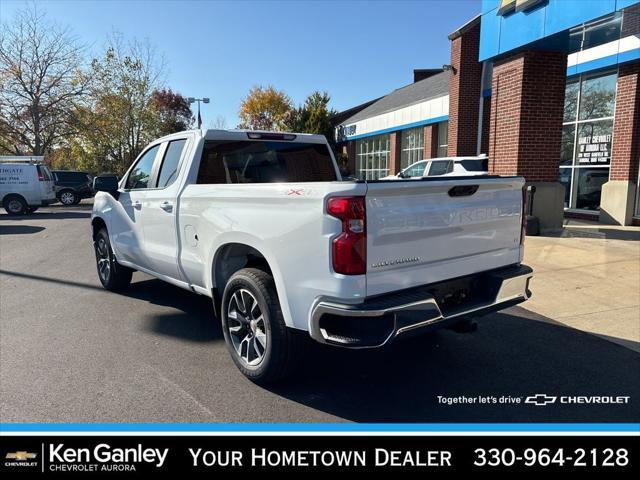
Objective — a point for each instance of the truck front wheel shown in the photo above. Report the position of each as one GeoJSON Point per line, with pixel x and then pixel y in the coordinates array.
{"type": "Point", "coordinates": [113, 276]}
{"type": "Point", "coordinates": [260, 344]}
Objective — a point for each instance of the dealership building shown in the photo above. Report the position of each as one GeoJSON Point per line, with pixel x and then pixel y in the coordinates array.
{"type": "Point", "coordinates": [548, 89]}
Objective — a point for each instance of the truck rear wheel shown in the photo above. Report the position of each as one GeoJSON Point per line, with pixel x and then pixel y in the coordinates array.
{"type": "Point", "coordinates": [260, 344]}
{"type": "Point", "coordinates": [112, 275]}
{"type": "Point", "coordinates": [15, 205]}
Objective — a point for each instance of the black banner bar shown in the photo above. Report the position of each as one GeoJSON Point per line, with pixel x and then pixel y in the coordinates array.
{"type": "Point", "coordinates": [194, 455]}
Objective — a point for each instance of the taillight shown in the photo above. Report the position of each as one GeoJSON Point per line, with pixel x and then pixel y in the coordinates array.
{"type": "Point", "coordinates": [525, 208]}
{"type": "Point", "coordinates": [349, 249]}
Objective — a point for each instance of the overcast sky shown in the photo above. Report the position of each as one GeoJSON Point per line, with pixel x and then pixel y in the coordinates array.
{"type": "Point", "coordinates": [356, 50]}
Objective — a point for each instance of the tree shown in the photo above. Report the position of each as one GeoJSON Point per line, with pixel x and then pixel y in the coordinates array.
{"type": "Point", "coordinates": [265, 109]}
{"type": "Point", "coordinates": [174, 111]}
{"type": "Point", "coordinates": [219, 123]}
{"type": "Point", "coordinates": [41, 83]}
{"type": "Point", "coordinates": [317, 118]}
{"type": "Point", "coordinates": [314, 116]}
{"type": "Point", "coordinates": [122, 117]}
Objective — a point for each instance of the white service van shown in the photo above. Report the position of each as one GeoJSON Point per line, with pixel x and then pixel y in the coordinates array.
{"type": "Point", "coordinates": [25, 184]}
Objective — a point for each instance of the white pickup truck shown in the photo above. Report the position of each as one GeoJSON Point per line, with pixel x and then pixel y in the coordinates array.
{"type": "Point", "coordinates": [262, 223]}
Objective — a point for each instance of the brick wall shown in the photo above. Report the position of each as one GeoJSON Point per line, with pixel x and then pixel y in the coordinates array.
{"type": "Point", "coordinates": [430, 141]}
{"type": "Point", "coordinates": [464, 93]}
{"type": "Point", "coordinates": [626, 128]}
{"type": "Point", "coordinates": [526, 115]}
{"type": "Point", "coordinates": [630, 21]}
{"type": "Point", "coordinates": [395, 154]}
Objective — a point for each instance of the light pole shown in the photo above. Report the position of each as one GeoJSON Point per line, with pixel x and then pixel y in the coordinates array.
{"type": "Point", "coordinates": [203, 100]}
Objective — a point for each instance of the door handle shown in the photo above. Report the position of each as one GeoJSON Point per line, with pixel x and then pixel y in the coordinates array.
{"type": "Point", "coordinates": [136, 204]}
{"type": "Point", "coordinates": [167, 206]}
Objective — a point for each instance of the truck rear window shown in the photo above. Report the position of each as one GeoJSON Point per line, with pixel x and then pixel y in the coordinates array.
{"type": "Point", "coordinates": [481, 165]}
{"type": "Point", "coordinates": [247, 161]}
{"type": "Point", "coordinates": [45, 172]}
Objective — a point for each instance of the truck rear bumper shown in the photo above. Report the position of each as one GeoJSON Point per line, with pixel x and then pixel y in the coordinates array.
{"type": "Point", "coordinates": [382, 319]}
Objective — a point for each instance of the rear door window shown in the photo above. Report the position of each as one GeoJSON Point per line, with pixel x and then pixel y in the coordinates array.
{"type": "Point", "coordinates": [440, 167]}
{"type": "Point", "coordinates": [169, 167]}
{"type": "Point", "coordinates": [247, 161]}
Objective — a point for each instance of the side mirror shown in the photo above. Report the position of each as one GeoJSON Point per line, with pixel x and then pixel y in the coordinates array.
{"type": "Point", "coordinates": [106, 183]}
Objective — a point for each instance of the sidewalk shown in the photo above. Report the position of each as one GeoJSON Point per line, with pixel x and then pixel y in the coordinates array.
{"type": "Point", "coordinates": [588, 277]}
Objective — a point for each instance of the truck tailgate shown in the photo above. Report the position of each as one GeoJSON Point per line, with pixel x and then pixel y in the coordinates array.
{"type": "Point", "coordinates": [421, 232]}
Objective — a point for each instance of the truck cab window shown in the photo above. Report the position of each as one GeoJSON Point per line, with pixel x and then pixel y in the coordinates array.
{"type": "Point", "coordinates": [139, 175]}
{"type": "Point", "coordinates": [249, 161]}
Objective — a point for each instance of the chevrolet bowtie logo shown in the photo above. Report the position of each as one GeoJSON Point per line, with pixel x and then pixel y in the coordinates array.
{"type": "Point", "coordinates": [540, 399]}
{"type": "Point", "coordinates": [21, 455]}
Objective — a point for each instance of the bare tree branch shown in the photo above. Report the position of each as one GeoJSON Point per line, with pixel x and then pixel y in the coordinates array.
{"type": "Point", "coordinates": [41, 82]}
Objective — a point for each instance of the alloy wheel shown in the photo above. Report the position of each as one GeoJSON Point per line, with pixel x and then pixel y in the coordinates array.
{"type": "Point", "coordinates": [67, 198]}
{"type": "Point", "coordinates": [104, 263]}
{"type": "Point", "coordinates": [246, 324]}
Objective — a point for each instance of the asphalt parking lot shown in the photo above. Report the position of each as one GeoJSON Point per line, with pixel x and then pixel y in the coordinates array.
{"type": "Point", "coordinates": [73, 352]}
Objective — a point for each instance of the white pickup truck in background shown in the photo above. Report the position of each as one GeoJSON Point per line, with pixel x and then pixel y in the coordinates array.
{"type": "Point", "coordinates": [262, 223]}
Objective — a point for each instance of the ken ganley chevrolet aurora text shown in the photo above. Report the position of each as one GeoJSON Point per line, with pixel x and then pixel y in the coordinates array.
{"type": "Point", "coordinates": [102, 457]}
{"type": "Point", "coordinates": [263, 223]}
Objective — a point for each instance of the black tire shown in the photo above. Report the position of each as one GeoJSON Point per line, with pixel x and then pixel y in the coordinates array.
{"type": "Point", "coordinates": [78, 200]}
{"type": "Point", "coordinates": [112, 275]}
{"type": "Point", "coordinates": [32, 209]}
{"type": "Point", "coordinates": [68, 197]}
{"type": "Point", "coordinates": [282, 344]}
{"type": "Point", "coordinates": [15, 205]}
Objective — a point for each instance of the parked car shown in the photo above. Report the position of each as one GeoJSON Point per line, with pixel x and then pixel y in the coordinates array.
{"type": "Point", "coordinates": [72, 186]}
{"type": "Point", "coordinates": [25, 184]}
{"type": "Point", "coordinates": [452, 166]}
{"type": "Point", "coordinates": [262, 223]}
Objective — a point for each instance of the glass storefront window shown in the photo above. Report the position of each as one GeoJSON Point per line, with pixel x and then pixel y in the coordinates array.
{"type": "Point", "coordinates": [565, 180]}
{"type": "Point", "coordinates": [443, 139]}
{"type": "Point", "coordinates": [568, 138]}
{"type": "Point", "coordinates": [587, 132]}
{"type": "Point", "coordinates": [594, 143]}
{"type": "Point", "coordinates": [412, 145]}
{"type": "Point", "coordinates": [588, 184]}
{"type": "Point", "coordinates": [598, 97]}
{"type": "Point", "coordinates": [372, 157]}
{"type": "Point", "coordinates": [571, 100]}
{"type": "Point", "coordinates": [597, 32]}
